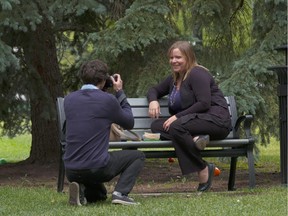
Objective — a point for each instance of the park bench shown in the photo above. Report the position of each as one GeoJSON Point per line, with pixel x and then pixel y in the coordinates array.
{"type": "Point", "coordinates": [232, 146]}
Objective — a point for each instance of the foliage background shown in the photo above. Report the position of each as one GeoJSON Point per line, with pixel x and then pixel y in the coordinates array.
{"type": "Point", "coordinates": [42, 45]}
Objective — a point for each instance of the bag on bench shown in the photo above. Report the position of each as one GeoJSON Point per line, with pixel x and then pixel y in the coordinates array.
{"type": "Point", "coordinates": [117, 134]}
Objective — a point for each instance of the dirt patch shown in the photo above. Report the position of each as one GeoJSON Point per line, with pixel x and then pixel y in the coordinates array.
{"type": "Point", "coordinates": [158, 176]}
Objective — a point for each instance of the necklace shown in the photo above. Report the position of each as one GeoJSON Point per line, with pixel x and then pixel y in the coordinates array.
{"type": "Point", "coordinates": [173, 94]}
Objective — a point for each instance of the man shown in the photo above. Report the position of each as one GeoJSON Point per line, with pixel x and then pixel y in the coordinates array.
{"type": "Point", "coordinates": [90, 112]}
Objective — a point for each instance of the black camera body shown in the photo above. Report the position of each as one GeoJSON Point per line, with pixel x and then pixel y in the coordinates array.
{"type": "Point", "coordinates": [109, 82]}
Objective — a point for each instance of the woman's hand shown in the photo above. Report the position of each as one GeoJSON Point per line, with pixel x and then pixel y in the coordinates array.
{"type": "Point", "coordinates": [168, 122]}
{"type": "Point", "coordinates": [154, 109]}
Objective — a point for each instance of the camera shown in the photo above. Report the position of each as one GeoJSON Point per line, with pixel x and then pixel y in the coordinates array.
{"type": "Point", "coordinates": [109, 82]}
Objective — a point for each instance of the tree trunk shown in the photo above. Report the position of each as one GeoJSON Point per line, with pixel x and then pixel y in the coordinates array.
{"type": "Point", "coordinates": [45, 85]}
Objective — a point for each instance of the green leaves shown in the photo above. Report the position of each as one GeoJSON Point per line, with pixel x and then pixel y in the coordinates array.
{"type": "Point", "coordinates": [142, 25]}
{"type": "Point", "coordinates": [7, 4]}
{"type": "Point", "coordinates": [7, 59]}
{"type": "Point", "coordinates": [235, 41]}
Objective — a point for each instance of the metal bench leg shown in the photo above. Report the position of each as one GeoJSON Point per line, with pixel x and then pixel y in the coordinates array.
{"type": "Point", "coordinates": [61, 176]}
{"type": "Point", "coordinates": [232, 174]}
{"type": "Point", "coordinates": [61, 173]}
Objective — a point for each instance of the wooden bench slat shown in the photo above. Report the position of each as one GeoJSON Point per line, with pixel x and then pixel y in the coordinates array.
{"type": "Point", "coordinates": [206, 153]}
{"type": "Point", "coordinates": [168, 143]}
{"type": "Point", "coordinates": [139, 112]}
{"type": "Point", "coordinates": [143, 102]}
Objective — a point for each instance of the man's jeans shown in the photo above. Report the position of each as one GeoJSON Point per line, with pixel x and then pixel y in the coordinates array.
{"type": "Point", "coordinates": [126, 163]}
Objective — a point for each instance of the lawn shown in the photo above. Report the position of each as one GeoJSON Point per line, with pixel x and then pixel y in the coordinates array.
{"type": "Point", "coordinates": [43, 201]}
{"type": "Point", "coordinates": [16, 149]}
{"type": "Point", "coordinates": [271, 200]}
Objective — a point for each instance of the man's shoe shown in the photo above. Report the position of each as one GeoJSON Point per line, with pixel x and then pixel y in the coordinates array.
{"type": "Point", "coordinates": [76, 194]}
{"type": "Point", "coordinates": [202, 141]}
{"type": "Point", "coordinates": [206, 186]}
{"type": "Point", "coordinates": [123, 199]}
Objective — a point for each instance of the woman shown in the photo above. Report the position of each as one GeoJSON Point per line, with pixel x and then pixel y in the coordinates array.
{"type": "Point", "coordinates": [197, 107]}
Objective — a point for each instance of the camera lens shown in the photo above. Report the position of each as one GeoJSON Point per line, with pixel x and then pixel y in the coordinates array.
{"type": "Point", "coordinates": [108, 83]}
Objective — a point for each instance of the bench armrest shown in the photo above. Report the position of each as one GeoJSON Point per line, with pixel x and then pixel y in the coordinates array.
{"type": "Point", "coordinates": [246, 121]}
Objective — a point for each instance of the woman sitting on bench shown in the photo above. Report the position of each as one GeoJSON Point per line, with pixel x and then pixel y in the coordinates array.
{"type": "Point", "coordinates": [198, 109]}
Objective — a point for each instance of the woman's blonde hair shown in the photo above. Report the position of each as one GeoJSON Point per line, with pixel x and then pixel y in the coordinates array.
{"type": "Point", "coordinates": [186, 49]}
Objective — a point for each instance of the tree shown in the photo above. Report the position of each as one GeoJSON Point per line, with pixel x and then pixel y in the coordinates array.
{"type": "Point", "coordinates": [252, 83]}
{"type": "Point", "coordinates": [42, 45]}
{"type": "Point", "coordinates": [237, 41]}
{"type": "Point", "coordinates": [30, 75]}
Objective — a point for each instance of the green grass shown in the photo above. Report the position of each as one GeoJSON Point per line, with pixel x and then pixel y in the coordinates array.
{"type": "Point", "coordinates": [46, 201]}
{"type": "Point", "coordinates": [43, 201]}
{"type": "Point", "coordinates": [16, 149]}
{"type": "Point", "coordinates": [270, 154]}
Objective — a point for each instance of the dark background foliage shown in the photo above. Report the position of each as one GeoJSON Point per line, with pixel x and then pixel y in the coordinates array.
{"type": "Point", "coordinates": [43, 44]}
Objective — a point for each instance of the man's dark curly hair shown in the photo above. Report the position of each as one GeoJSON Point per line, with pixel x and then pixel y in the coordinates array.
{"type": "Point", "coordinates": [94, 72]}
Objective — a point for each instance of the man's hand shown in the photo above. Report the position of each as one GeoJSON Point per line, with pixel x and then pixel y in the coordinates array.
{"type": "Point", "coordinates": [117, 82]}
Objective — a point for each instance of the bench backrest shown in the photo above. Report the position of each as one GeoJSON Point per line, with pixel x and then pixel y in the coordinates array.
{"type": "Point", "coordinates": [140, 112]}
{"type": "Point", "coordinates": [143, 121]}
{"type": "Point", "coordinates": [61, 119]}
